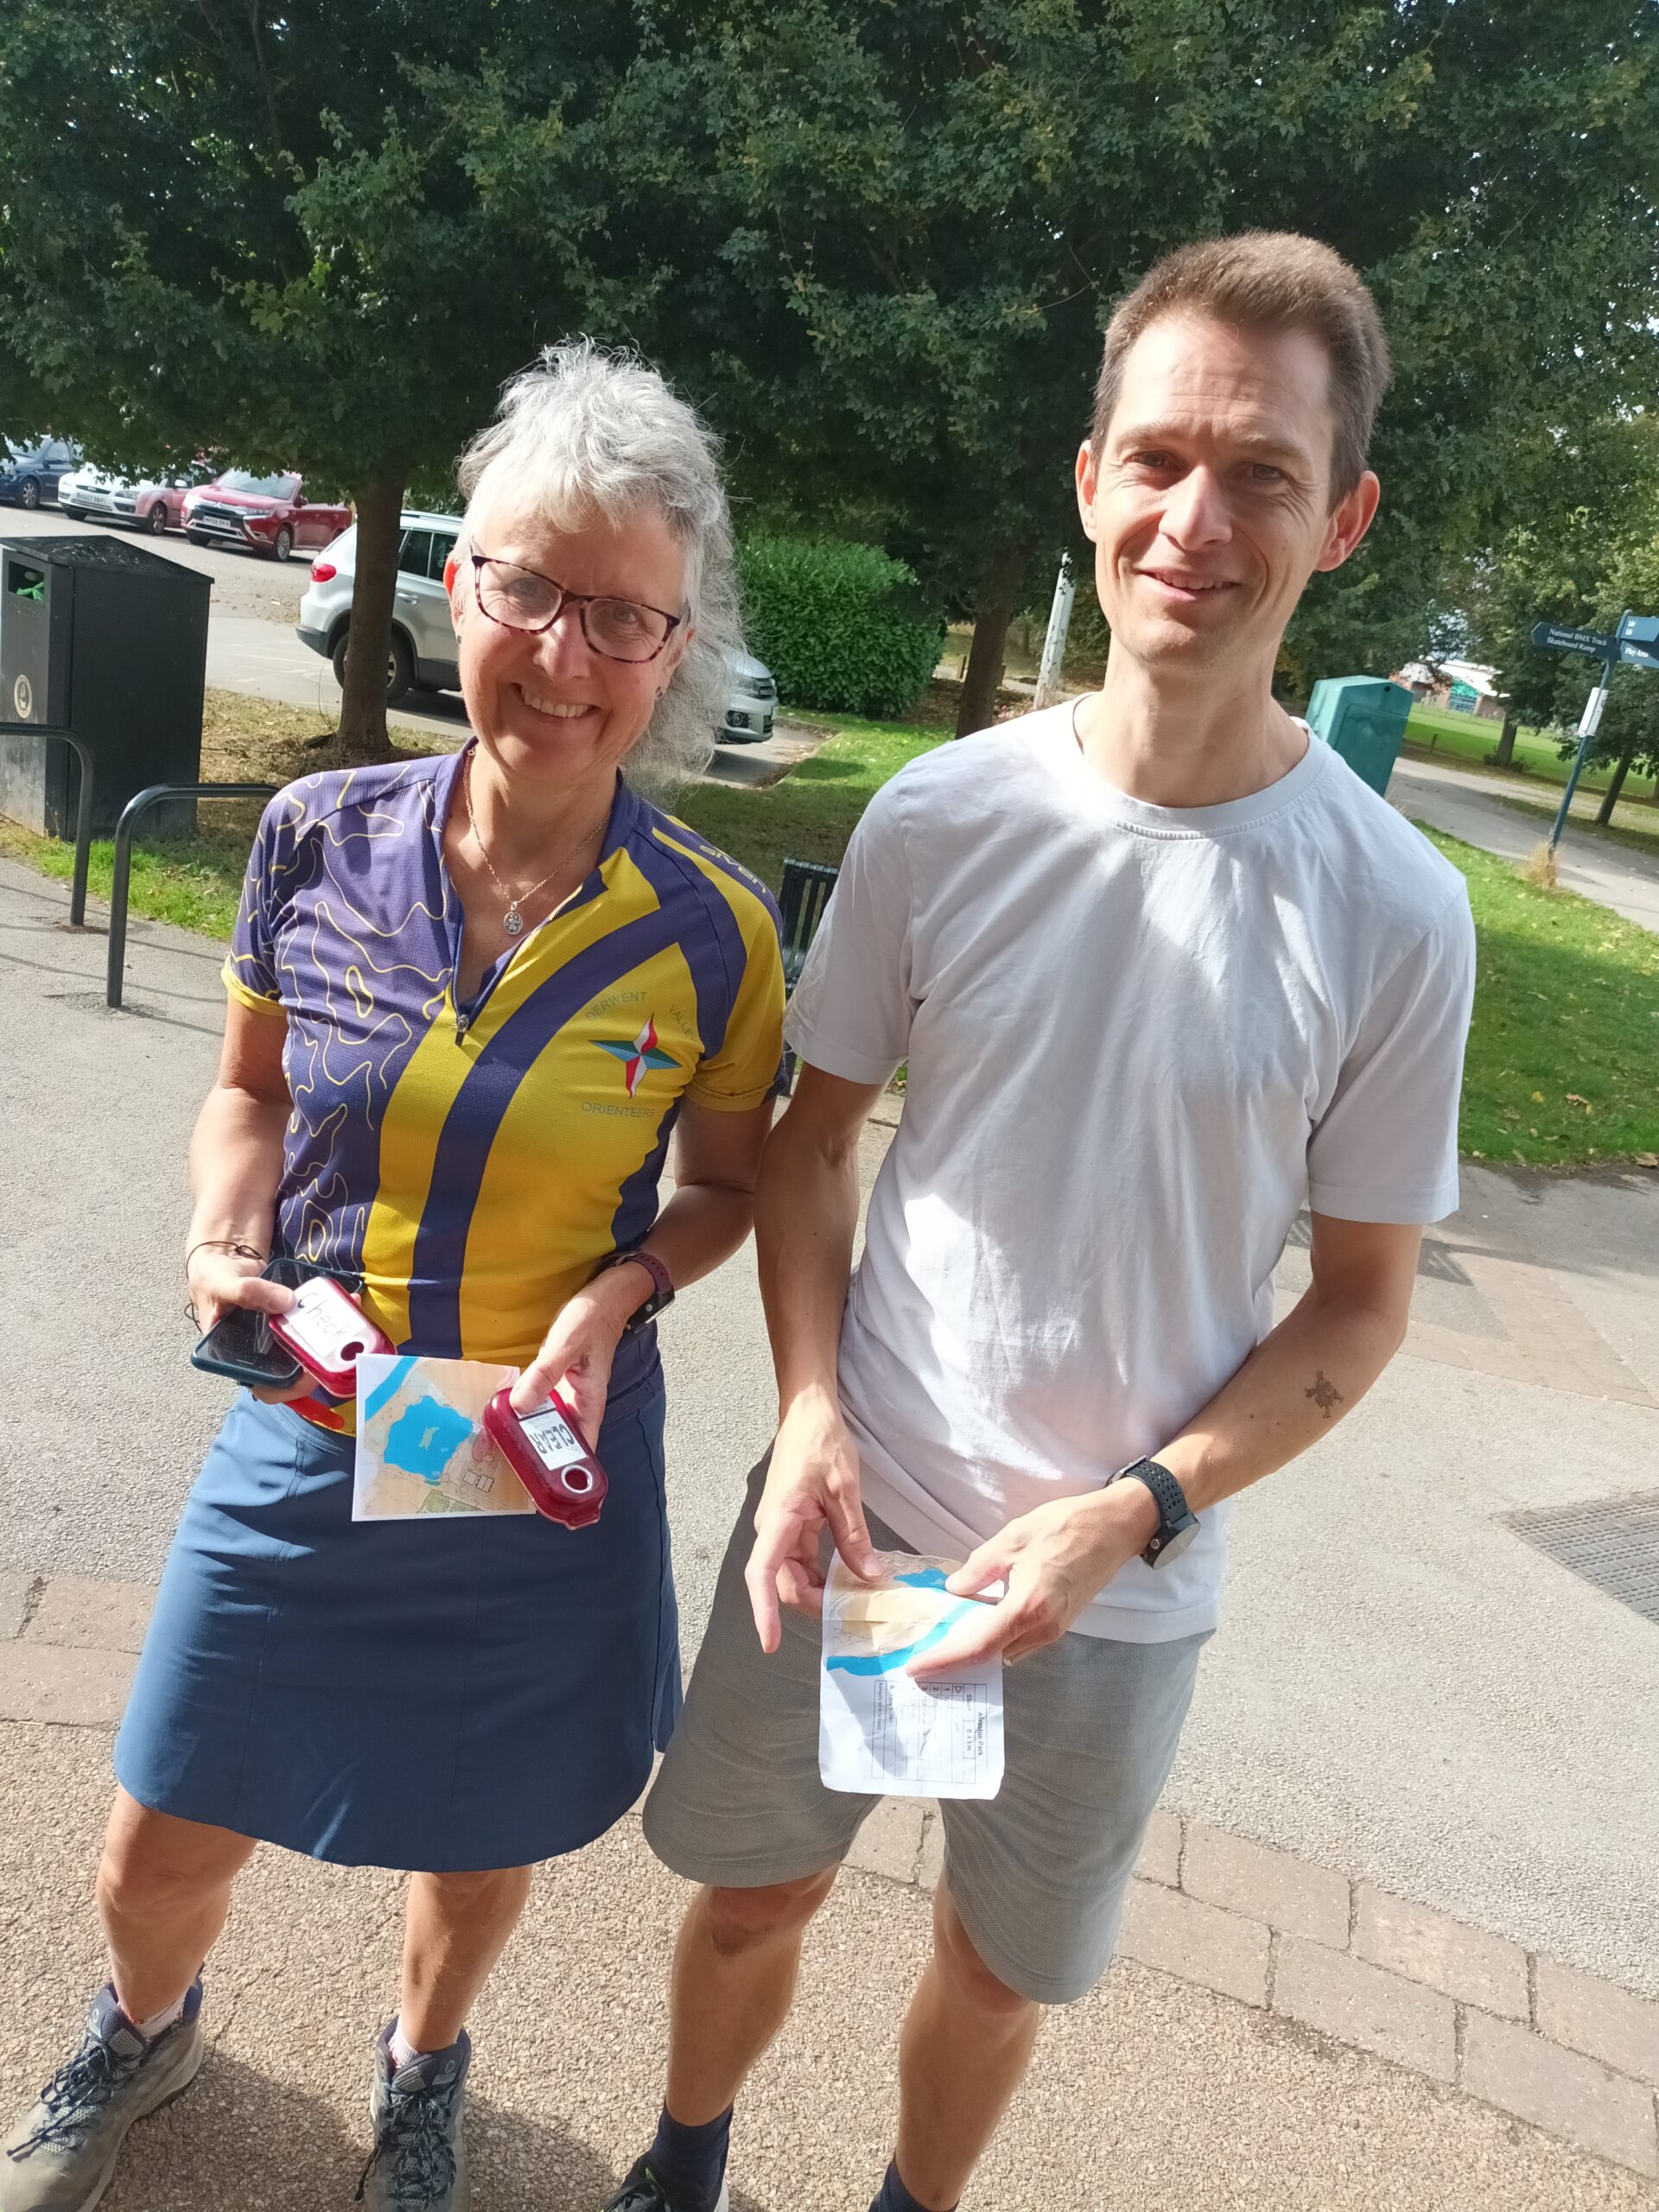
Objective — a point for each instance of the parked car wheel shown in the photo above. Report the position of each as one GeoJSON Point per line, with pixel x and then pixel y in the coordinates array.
{"type": "Point", "coordinates": [28, 494]}
{"type": "Point", "coordinates": [400, 665]}
{"type": "Point", "coordinates": [283, 544]}
{"type": "Point", "coordinates": [155, 520]}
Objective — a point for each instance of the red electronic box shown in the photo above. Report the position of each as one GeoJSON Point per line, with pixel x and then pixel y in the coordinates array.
{"type": "Point", "coordinates": [544, 1449]}
{"type": "Point", "coordinates": [327, 1332]}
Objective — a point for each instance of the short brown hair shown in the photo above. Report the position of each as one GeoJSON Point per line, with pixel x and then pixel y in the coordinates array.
{"type": "Point", "coordinates": [1266, 280]}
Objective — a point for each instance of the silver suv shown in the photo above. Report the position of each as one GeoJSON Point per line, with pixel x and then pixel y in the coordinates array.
{"type": "Point", "coordinates": [422, 654]}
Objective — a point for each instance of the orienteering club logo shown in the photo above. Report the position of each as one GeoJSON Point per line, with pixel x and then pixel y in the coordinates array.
{"type": "Point", "coordinates": [637, 1055]}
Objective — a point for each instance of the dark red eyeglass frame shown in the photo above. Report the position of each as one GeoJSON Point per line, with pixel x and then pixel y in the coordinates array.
{"type": "Point", "coordinates": [579, 600]}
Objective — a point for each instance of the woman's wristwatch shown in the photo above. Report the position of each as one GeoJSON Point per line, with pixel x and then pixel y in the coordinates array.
{"type": "Point", "coordinates": [662, 1294]}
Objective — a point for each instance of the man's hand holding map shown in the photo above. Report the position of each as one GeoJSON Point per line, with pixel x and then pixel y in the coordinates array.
{"type": "Point", "coordinates": [879, 1729]}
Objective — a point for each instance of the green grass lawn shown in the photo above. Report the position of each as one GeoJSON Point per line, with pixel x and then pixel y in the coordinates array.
{"type": "Point", "coordinates": [812, 812]}
{"type": "Point", "coordinates": [1563, 1063]}
{"type": "Point", "coordinates": [1563, 1058]}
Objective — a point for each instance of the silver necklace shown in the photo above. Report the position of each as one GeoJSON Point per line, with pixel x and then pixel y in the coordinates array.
{"type": "Point", "coordinates": [512, 921]}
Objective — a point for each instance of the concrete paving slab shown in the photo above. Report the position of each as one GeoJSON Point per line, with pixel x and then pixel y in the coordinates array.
{"type": "Point", "coordinates": [1248, 2110]}
{"type": "Point", "coordinates": [84, 1612]}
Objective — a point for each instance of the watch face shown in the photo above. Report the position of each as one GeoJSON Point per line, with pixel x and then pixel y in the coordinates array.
{"type": "Point", "coordinates": [1177, 1544]}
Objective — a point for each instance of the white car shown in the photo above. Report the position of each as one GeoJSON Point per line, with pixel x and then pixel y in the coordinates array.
{"type": "Point", "coordinates": [422, 651]}
{"type": "Point", "coordinates": [151, 502]}
{"type": "Point", "coordinates": [422, 654]}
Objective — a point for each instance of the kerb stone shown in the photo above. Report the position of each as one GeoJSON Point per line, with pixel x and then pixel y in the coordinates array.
{"type": "Point", "coordinates": [1343, 1996]}
{"type": "Point", "coordinates": [1429, 1946]}
{"type": "Point", "coordinates": [1609, 2024]}
{"type": "Point", "coordinates": [1271, 1885]}
{"type": "Point", "coordinates": [1220, 1950]}
{"type": "Point", "coordinates": [1538, 2081]}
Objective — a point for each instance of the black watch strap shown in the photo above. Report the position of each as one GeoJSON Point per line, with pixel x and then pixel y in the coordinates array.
{"type": "Point", "coordinates": [1176, 1522]}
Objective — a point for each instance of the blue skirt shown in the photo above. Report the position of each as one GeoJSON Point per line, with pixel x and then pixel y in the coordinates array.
{"type": "Point", "coordinates": [439, 1696]}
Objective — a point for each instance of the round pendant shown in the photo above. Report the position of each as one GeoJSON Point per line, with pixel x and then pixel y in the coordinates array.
{"type": "Point", "coordinates": [512, 921]}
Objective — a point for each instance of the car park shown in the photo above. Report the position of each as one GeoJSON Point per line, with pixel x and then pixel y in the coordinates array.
{"type": "Point", "coordinates": [421, 656]}
{"type": "Point", "coordinates": [270, 514]}
{"type": "Point", "coordinates": [30, 475]}
{"type": "Point", "coordinates": [151, 503]}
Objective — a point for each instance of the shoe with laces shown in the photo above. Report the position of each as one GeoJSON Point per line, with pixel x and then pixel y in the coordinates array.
{"type": "Point", "coordinates": [642, 2192]}
{"type": "Point", "coordinates": [60, 2157]}
{"type": "Point", "coordinates": [419, 2160]}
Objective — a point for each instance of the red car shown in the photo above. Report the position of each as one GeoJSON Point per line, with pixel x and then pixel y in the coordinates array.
{"type": "Point", "coordinates": [270, 513]}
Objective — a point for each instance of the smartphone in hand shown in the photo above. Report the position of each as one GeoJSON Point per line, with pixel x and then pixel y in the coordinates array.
{"type": "Point", "coordinates": [323, 1334]}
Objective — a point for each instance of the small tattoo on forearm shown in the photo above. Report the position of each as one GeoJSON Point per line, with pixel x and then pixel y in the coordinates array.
{"type": "Point", "coordinates": [1324, 1394]}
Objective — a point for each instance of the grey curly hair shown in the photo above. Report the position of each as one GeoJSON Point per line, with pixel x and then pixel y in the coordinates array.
{"type": "Point", "coordinates": [590, 430]}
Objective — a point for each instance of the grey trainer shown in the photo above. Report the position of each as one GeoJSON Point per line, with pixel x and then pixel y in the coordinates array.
{"type": "Point", "coordinates": [419, 2160]}
{"type": "Point", "coordinates": [60, 2157]}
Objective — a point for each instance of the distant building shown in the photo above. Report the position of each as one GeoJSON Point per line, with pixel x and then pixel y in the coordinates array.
{"type": "Point", "coordinates": [1464, 686]}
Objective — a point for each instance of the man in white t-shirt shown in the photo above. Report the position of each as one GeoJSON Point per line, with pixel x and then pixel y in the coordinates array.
{"type": "Point", "coordinates": [1162, 970]}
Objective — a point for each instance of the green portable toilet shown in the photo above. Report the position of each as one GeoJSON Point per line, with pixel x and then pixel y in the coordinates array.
{"type": "Point", "coordinates": [1362, 718]}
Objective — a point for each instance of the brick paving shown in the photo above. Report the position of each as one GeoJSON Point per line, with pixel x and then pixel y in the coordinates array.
{"type": "Point", "coordinates": [1542, 2042]}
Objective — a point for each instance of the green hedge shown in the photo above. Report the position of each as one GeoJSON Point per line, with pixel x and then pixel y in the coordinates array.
{"type": "Point", "coordinates": [841, 626]}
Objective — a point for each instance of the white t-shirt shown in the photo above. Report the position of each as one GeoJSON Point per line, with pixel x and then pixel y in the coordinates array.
{"type": "Point", "coordinates": [1139, 1039]}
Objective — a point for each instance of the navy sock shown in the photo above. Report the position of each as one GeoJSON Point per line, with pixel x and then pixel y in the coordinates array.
{"type": "Point", "coordinates": [895, 2197]}
{"type": "Point", "coordinates": [690, 2162]}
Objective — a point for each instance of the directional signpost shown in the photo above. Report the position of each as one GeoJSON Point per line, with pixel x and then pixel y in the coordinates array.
{"type": "Point", "coordinates": [1635, 644]}
{"type": "Point", "coordinates": [1556, 636]}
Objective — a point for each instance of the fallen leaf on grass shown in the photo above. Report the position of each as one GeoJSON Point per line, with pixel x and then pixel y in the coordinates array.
{"type": "Point", "coordinates": [1647, 1159]}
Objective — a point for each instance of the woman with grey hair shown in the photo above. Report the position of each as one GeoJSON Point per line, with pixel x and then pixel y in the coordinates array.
{"type": "Point", "coordinates": [470, 999]}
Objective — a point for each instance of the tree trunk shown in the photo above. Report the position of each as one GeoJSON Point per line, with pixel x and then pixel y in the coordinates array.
{"type": "Point", "coordinates": [1610, 796]}
{"type": "Point", "coordinates": [995, 610]}
{"type": "Point", "coordinates": [363, 735]}
{"type": "Point", "coordinates": [1505, 752]}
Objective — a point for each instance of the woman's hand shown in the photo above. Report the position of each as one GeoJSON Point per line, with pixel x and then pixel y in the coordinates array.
{"type": "Point", "coordinates": [220, 1279]}
{"type": "Point", "coordinates": [577, 1350]}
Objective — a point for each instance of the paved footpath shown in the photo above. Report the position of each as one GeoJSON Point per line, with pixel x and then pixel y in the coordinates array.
{"type": "Point", "coordinates": [1511, 817]}
{"type": "Point", "coordinates": [1392, 1940]}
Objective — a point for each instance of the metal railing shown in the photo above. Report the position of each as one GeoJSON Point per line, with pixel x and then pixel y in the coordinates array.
{"type": "Point", "coordinates": [120, 882]}
{"type": "Point", "coordinates": [802, 898]}
{"type": "Point", "coordinates": [83, 811]}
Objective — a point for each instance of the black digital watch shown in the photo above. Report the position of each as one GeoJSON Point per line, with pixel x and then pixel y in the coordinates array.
{"type": "Point", "coordinates": [1176, 1522]}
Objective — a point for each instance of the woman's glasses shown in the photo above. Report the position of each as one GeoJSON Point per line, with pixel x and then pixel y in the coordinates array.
{"type": "Point", "coordinates": [521, 599]}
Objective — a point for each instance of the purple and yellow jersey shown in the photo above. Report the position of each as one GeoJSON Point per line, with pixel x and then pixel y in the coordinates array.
{"type": "Point", "coordinates": [474, 1163]}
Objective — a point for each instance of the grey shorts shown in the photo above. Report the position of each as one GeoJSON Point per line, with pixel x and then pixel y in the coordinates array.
{"type": "Point", "coordinates": [1038, 1873]}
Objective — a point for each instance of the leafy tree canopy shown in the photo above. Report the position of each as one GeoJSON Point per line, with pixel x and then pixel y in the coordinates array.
{"type": "Point", "coordinates": [878, 242]}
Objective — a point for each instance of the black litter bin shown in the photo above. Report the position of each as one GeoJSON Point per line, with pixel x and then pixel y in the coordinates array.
{"type": "Point", "coordinates": [108, 640]}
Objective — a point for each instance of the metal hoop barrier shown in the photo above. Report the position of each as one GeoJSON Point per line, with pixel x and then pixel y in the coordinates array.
{"type": "Point", "coordinates": [140, 803]}
{"type": "Point", "coordinates": [83, 811]}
